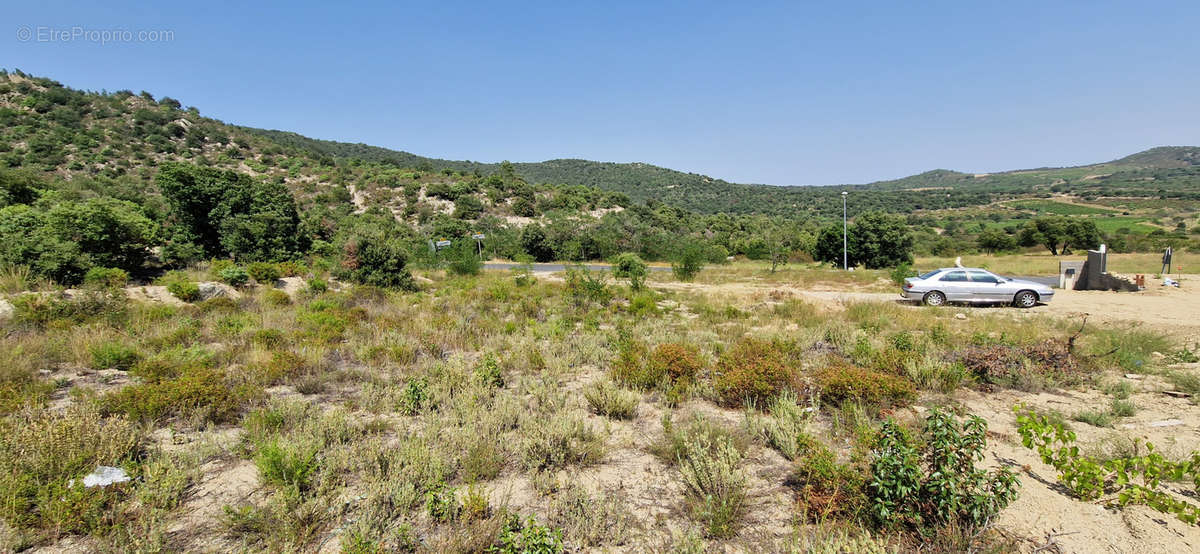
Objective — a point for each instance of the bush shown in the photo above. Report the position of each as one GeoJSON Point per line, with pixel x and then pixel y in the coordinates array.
{"type": "Point", "coordinates": [714, 484]}
{"type": "Point", "coordinates": [234, 276]}
{"type": "Point", "coordinates": [678, 362]}
{"type": "Point", "coordinates": [264, 273]}
{"type": "Point", "coordinates": [1031, 367]}
{"type": "Point", "coordinates": [376, 261]}
{"type": "Point", "coordinates": [106, 277]}
{"type": "Point", "coordinates": [937, 484]}
{"type": "Point", "coordinates": [562, 441]}
{"type": "Point", "coordinates": [689, 261]}
{"type": "Point", "coordinates": [527, 537]}
{"type": "Point", "coordinates": [755, 370]}
{"type": "Point", "coordinates": [287, 463]}
{"type": "Point", "coordinates": [113, 355]}
{"type": "Point", "coordinates": [202, 394]}
{"type": "Point", "coordinates": [186, 291]}
{"type": "Point", "coordinates": [276, 297]}
{"type": "Point", "coordinates": [839, 384]}
{"type": "Point", "coordinates": [608, 400]}
{"type": "Point", "coordinates": [317, 286]}
{"type": "Point", "coordinates": [629, 266]}
{"type": "Point", "coordinates": [584, 285]}
{"type": "Point", "coordinates": [463, 260]}
{"type": "Point", "coordinates": [825, 488]}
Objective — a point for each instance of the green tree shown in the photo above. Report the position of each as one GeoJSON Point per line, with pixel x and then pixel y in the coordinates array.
{"type": "Point", "coordinates": [229, 214]}
{"type": "Point", "coordinates": [874, 241]}
{"type": "Point", "coordinates": [689, 261]}
{"type": "Point", "coordinates": [996, 240]}
{"type": "Point", "coordinates": [1060, 234]}
{"type": "Point", "coordinates": [535, 243]}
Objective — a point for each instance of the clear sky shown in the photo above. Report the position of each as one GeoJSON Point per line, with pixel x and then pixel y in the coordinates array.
{"type": "Point", "coordinates": [779, 93]}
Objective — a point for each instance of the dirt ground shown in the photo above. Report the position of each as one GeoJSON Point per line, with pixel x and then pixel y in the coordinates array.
{"type": "Point", "coordinates": [1045, 518]}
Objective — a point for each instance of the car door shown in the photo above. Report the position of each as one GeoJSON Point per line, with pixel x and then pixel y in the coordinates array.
{"type": "Point", "coordinates": [985, 287]}
{"type": "Point", "coordinates": [956, 286]}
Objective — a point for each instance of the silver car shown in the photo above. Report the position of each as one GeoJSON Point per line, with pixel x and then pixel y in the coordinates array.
{"type": "Point", "coordinates": [968, 284]}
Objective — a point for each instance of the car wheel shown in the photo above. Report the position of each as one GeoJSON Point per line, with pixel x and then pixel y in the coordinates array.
{"type": "Point", "coordinates": [934, 298]}
{"type": "Point", "coordinates": [1026, 299]}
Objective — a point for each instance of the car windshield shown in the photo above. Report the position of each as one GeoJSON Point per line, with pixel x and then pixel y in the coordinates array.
{"type": "Point", "coordinates": [928, 275]}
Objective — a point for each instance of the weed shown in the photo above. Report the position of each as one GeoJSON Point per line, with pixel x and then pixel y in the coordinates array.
{"type": "Point", "coordinates": [442, 504]}
{"type": "Point", "coordinates": [562, 441]}
{"type": "Point", "coordinates": [186, 291]}
{"type": "Point", "coordinates": [606, 399]}
{"type": "Point", "coordinates": [1122, 408]}
{"type": "Point", "coordinates": [113, 355]}
{"type": "Point", "coordinates": [825, 489]}
{"type": "Point", "coordinates": [784, 429]}
{"type": "Point", "coordinates": [287, 463]}
{"type": "Point", "coordinates": [527, 537]}
{"type": "Point", "coordinates": [483, 460]}
{"type": "Point", "coordinates": [1121, 390]}
{"type": "Point", "coordinates": [1095, 418]}
{"type": "Point", "coordinates": [202, 394]}
{"type": "Point", "coordinates": [590, 520]}
{"type": "Point", "coordinates": [414, 397]}
{"type": "Point", "coordinates": [715, 486]}
{"type": "Point", "coordinates": [276, 297]}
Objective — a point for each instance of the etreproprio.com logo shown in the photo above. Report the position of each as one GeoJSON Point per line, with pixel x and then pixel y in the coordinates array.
{"type": "Point", "coordinates": [79, 33]}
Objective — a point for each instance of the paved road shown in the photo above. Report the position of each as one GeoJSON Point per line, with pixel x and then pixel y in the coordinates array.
{"type": "Point", "coordinates": [1048, 281]}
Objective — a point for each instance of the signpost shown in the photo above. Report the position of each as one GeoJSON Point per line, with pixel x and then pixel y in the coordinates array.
{"type": "Point", "coordinates": [479, 243]}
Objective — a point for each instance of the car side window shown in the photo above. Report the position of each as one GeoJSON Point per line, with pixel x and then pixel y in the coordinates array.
{"type": "Point", "coordinates": [955, 276]}
{"type": "Point", "coordinates": [983, 277]}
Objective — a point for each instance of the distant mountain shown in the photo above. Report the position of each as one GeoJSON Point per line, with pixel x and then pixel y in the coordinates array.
{"type": "Point", "coordinates": [70, 132]}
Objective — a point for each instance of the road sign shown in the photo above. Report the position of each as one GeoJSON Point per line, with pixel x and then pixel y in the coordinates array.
{"type": "Point", "coordinates": [441, 244]}
{"type": "Point", "coordinates": [478, 236]}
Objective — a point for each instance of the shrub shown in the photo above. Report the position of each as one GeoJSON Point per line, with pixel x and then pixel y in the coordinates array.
{"type": "Point", "coordinates": [287, 463]}
{"type": "Point", "coordinates": [902, 271]}
{"type": "Point", "coordinates": [715, 486]}
{"type": "Point", "coordinates": [527, 537]}
{"type": "Point", "coordinates": [689, 261]}
{"type": "Point", "coordinates": [234, 276]}
{"type": "Point", "coordinates": [463, 260]}
{"type": "Point", "coordinates": [40, 310]}
{"type": "Point", "coordinates": [106, 277]}
{"type": "Point", "coordinates": [608, 400]}
{"type": "Point", "coordinates": [202, 394]}
{"type": "Point", "coordinates": [264, 273]}
{"type": "Point", "coordinates": [488, 372]}
{"type": "Point", "coordinates": [630, 367]}
{"type": "Point", "coordinates": [679, 440]}
{"type": "Point", "coordinates": [483, 460]}
{"type": "Point", "coordinates": [784, 428]}
{"type": "Point", "coordinates": [588, 520]}
{"type": "Point", "coordinates": [113, 355]}
{"type": "Point", "coordinates": [276, 297]}
{"type": "Point", "coordinates": [317, 286]}
{"type": "Point", "coordinates": [1031, 367]}
{"type": "Point", "coordinates": [584, 285]}
{"type": "Point", "coordinates": [376, 261]}
{"type": "Point", "coordinates": [414, 397]}
{"type": "Point", "coordinates": [186, 291]}
{"type": "Point", "coordinates": [560, 442]}
{"type": "Point", "coordinates": [678, 362]}
{"type": "Point", "coordinates": [826, 489]}
{"type": "Point", "coordinates": [442, 504]}
{"type": "Point", "coordinates": [839, 384]}
{"type": "Point", "coordinates": [629, 266]}
{"type": "Point", "coordinates": [937, 484]}
{"type": "Point", "coordinates": [754, 370]}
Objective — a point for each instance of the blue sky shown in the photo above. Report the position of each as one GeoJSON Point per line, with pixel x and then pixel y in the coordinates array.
{"type": "Point", "coordinates": [779, 93]}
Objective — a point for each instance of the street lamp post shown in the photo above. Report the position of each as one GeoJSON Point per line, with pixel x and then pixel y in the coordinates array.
{"type": "Point", "coordinates": [845, 258]}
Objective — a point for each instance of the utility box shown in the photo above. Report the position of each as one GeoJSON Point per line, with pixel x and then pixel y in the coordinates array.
{"type": "Point", "coordinates": [1068, 274]}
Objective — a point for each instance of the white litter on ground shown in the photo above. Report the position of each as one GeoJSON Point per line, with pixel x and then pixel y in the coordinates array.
{"type": "Point", "coordinates": [104, 476]}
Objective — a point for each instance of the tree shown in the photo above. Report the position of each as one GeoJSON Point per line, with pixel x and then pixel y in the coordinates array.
{"type": "Point", "coordinates": [227, 213]}
{"type": "Point", "coordinates": [996, 240]}
{"type": "Point", "coordinates": [629, 266]}
{"type": "Point", "coordinates": [875, 240]}
{"type": "Point", "coordinates": [689, 261]}
{"type": "Point", "coordinates": [70, 237]}
{"type": "Point", "coordinates": [534, 242]}
{"type": "Point", "coordinates": [467, 206]}
{"type": "Point", "coordinates": [1059, 234]}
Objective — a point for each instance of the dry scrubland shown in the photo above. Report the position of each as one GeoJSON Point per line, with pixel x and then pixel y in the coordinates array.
{"type": "Point", "coordinates": [495, 413]}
